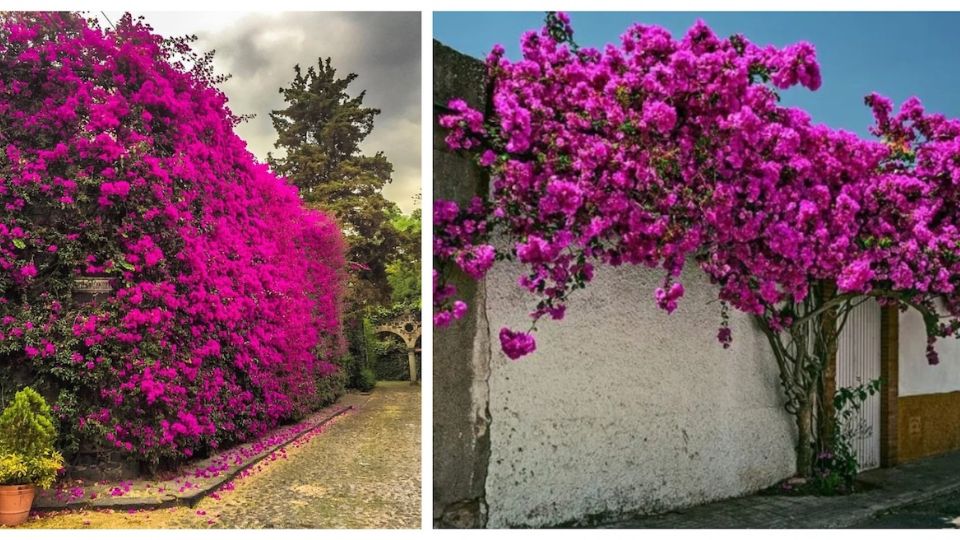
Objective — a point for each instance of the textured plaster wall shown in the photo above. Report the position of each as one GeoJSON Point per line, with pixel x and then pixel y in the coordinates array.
{"type": "Point", "coordinates": [917, 376]}
{"type": "Point", "coordinates": [623, 407]}
{"type": "Point", "coordinates": [626, 408]}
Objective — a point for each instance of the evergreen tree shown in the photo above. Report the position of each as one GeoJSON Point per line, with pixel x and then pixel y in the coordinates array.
{"type": "Point", "coordinates": [320, 132]}
{"type": "Point", "coordinates": [403, 273]}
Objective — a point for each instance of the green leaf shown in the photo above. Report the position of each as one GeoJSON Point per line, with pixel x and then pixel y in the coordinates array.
{"type": "Point", "coordinates": [126, 265]}
{"type": "Point", "coordinates": [19, 243]}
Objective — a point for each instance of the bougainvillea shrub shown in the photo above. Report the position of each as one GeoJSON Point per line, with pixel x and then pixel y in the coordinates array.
{"type": "Point", "coordinates": [660, 151]}
{"type": "Point", "coordinates": [118, 159]}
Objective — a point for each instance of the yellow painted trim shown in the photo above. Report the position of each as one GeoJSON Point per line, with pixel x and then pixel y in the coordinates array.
{"type": "Point", "coordinates": [927, 425]}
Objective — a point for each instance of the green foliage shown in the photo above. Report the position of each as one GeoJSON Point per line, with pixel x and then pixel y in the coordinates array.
{"type": "Point", "coordinates": [360, 353]}
{"type": "Point", "coordinates": [17, 469]}
{"type": "Point", "coordinates": [330, 388]}
{"type": "Point", "coordinates": [27, 434]}
{"type": "Point", "coordinates": [403, 273]}
{"type": "Point", "coordinates": [372, 348]}
{"type": "Point", "coordinates": [404, 280]}
{"type": "Point", "coordinates": [26, 425]}
{"type": "Point", "coordinates": [355, 358]}
{"type": "Point", "coordinates": [384, 354]}
{"type": "Point", "coordinates": [390, 362]}
{"type": "Point", "coordinates": [320, 132]}
{"type": "Point", "coordinates": [836, 468]}
{"type": "Point", "coordinates": [382, 314]}
{"type": "Point", "coordinates": [368, 379]}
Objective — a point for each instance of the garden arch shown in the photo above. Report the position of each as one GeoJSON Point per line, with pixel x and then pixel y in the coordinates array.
{"type": "Point", "coordinates": [407, 326]}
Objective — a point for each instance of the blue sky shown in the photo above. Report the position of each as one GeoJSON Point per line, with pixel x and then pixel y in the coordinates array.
{"type": "Point", "coordinates": [896, 54]}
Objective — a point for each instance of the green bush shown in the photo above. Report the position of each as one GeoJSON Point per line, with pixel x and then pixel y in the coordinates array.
{"type": "Point", "coordinates": [367, 380]}
{"type": "Point", "coordinates": [350, 364]}
{"type": "Point", "coordinates": [27, 432]}
{"type": "Point", "coordinates": [390, 364]}
{"type": "Point", "coordinates": [836, 467]}
{"type": "Point", "coordinates": [331, 387]}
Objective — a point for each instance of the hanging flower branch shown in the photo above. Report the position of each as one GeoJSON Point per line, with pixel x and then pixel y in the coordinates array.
{"type": "Point", "coordinates": [659, 151]}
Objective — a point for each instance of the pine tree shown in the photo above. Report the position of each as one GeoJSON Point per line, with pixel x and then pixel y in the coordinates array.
{"type": "Point", "coordinates": [320, 132]}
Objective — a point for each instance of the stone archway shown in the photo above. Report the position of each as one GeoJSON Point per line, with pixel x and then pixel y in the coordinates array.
{"type": "Point", "coordinates": [407, 326]}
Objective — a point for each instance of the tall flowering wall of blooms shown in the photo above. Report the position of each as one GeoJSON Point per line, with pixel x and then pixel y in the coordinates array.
{"type": "Point", "coordinates": [118, 158]}
{"type": "Point", "coordinates": [658, 151]}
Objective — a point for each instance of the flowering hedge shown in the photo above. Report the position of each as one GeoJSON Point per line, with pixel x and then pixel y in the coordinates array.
{"type": "Point", "coordinates": [118, 158]}
{"type": "Point", "coordinates": [659, 151]}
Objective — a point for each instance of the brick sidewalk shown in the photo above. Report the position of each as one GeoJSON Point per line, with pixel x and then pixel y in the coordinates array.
{"type": "Point", "coordinates": [898, 486]}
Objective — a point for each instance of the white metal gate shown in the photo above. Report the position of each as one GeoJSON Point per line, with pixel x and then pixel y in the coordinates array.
{"type": "Point", "coordinates": [858, 362]}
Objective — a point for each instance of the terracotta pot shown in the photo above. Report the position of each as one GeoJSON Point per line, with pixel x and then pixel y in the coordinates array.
{"type": "Point", "coordinates": [15, 503]}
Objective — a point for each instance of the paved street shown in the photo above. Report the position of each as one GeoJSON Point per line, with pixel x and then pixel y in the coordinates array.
{"type": "Point", "coordinates": [922, 493]}
{"type": "Point", "coordinates": [362, 472]}
{"type": "Point", "coordinates": [939, 513]}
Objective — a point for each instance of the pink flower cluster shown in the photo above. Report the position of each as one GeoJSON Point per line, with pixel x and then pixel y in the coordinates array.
{"type": "Point", "coordinates": [118, 161]}
{"type": "Point", "coordinates": [663, 150]}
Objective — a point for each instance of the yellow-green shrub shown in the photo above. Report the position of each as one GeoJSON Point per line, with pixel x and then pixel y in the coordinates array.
{"type": "Point", "coordinates": [40, 471]}
{"type": "Point", "coordinates": [27, 432]}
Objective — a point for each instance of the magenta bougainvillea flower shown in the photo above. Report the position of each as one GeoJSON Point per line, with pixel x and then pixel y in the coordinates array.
{"type": "Point", "coordinates": [660, 151]}
{"type": "Point", "coordinates": [118, 159]}
{"type": "Point", "coordinates": [516, 344]}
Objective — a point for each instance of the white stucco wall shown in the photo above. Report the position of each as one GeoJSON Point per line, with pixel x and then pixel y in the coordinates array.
{"type": "Point", "coordinates": [626, 408]}
{"type": "Point", "coordinates": [917, 376]}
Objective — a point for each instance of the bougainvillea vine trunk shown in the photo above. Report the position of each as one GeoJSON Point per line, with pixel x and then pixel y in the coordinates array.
{"type": "Point", "coordinates": [803, 350]}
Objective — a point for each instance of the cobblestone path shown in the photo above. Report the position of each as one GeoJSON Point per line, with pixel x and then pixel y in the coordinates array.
{"type": "Point", "coordinates": [362, 472]}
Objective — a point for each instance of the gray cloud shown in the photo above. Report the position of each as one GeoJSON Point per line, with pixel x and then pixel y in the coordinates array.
{"type": "Point", "coordinates": [383, 49]}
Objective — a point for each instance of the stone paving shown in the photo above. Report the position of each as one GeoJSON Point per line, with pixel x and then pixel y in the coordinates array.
{"type": "Point", "coordinates": [916, 483]}
{"type": "Point", "coordinates": [362, 472]}
{"type": "Point", "coordinates": [939, 513]}
{"type": "Point", "coordinates": [194, 480]}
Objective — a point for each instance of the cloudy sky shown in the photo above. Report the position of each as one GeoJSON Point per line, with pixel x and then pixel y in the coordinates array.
{"type": "Point", "coordinates": [260, 50]}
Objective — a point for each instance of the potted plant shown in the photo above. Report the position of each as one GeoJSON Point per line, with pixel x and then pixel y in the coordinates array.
{"type": "Point", "coordinates": [27, 456]}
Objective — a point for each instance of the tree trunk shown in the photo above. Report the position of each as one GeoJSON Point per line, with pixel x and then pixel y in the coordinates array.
{"type": "Point", "coordinates": [805, 354]}
{"type": "Point", "coordinates": [827, 386]}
